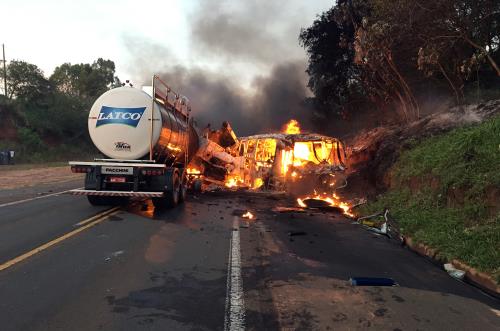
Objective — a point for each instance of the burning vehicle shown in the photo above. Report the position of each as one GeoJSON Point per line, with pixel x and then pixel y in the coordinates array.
{"type": "Point", "coordinates": [309, 166]}
{"type": "Point", "coordinates": [289, 161]}
{"type": "Point", "coordinates": [214, 159]}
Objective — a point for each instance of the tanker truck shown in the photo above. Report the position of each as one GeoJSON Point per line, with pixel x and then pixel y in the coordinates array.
{"type": "Point", "coordinates": [148, 141]}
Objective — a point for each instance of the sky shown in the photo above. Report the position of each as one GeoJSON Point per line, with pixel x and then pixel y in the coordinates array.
{"type": "Point", "coordinates": [235, 44]}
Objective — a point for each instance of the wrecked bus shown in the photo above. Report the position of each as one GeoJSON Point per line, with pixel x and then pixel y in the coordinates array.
{"type": "Point", "coordinates": [281, 161]}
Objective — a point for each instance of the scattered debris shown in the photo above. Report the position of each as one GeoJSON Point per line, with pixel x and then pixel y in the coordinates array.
{"type": "Point", "coordinates": [117, 253]}
{"type": "Point", "coordinates": [381, 223]}
{"type": "Point", "coordinates": [382, 230]}
{"type": "Point", "coordinates": [114, 254]}
{"type": "Point", "coordinates": [454, 272]}
{"type": "Point", "coordinates": [316, 203]}
{"type": "Point", "coordinates": [326, 203]}
{"type": "Point", "coordinates": [371, 281]}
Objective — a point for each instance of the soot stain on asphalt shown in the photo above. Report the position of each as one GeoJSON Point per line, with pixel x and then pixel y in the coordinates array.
{"type": "Point", "coordinates": [187, 300]}
{"type": "Point", "coordinates": [114, 218]}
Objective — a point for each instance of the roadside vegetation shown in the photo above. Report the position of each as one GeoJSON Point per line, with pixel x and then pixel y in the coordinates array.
{"type": "Point", "coordinates": [45, 119]}
{"type": "Point", "coordinates": [444, 193]}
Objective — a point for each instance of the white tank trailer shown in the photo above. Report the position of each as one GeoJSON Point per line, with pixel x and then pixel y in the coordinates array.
{"type": "Point", "coordinates": [148, 141]}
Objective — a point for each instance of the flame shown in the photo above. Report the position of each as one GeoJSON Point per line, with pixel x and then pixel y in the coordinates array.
{"type": "Point", "coordinates": [174, 148]}
{"type": "Point", "coordinates": [234, 181]}
{"type": "Point", "coordinates": [193, 171]}
{"type": "Point", "coordinates": [258, 183]}
{"type": "Point", "coordinates": [301, 203]}
{"type": "Point", "coordinates": [231, 182]}
{"type": "Point", "coordinates": [292, 127]}
{"type": "Point", "coordinates": [248, 215]}
{"type": "Point", "coordinates": [333, 201]}
{"type": "Point", "coordinates": [307, 152]}
{"type": "Point", "coordinates": [301, 153]}
{"type": "Point", "coordinates": [286, 161]}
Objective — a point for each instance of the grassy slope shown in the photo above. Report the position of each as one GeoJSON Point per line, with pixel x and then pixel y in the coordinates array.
{"type": "Point", "coordinates": [466, 159]}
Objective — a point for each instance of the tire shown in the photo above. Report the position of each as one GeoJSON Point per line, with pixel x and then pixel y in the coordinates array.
{"type": "Point", "coordinates": [172, 194]}
{"type": "Point", "coordinates": [197, 185]}
{"type": "Point", "coordinates": [182, 193]}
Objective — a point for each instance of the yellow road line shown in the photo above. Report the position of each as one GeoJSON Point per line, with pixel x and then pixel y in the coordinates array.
{"type": "Point", "coordinates": [96, 220]}
{"type": "Point", "coordinates": [104, 213]}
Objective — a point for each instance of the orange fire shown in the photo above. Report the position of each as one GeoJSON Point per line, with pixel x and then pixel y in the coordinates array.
{"type": "Point", "coordinates": [333, 201]}
{"type": "Point", "coordinates": [258, 182]}
{"type": "Point", "coordinates": [233, 182]}
{"type": "Point", "coordinates": [174, 148]}
{"type": "Point", "coordinates": [248, 215]}
{"type": "Point", "coordinates": [292, 127]}
{"type": "Point", "coordinates": [193, 171]}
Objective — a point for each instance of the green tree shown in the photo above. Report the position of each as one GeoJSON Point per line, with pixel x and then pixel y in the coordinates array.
{"type": "Point", "coordinates": [333, 78]}
{"type": "Point", "coordinates": [26, 81]}
{"type": "Point", "coordinates": [86, 81]}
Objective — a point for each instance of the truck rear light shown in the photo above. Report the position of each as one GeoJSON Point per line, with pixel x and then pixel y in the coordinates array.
{"type": "Point", "coordinates": [80, 169]}
{"type": "Point", "coordinates": [152, 172]}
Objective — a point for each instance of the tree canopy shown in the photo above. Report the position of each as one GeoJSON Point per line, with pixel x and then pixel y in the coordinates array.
{"type": "Point", "coordinates": [54, 109]}
{"type": "Point", "coordinates": [26, 81]}
{"type": "Point", "coordinates": [85, 80]}
{"type": "Point", "coordinates": [391, 53]}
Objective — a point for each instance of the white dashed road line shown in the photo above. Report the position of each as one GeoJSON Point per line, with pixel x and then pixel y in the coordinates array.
{"type": "Point", "coordinates": [235, 303]}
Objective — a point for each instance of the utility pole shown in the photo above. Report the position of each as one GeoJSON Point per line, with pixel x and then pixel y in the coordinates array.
{"type": "Point", "coordinates": [4, 72]}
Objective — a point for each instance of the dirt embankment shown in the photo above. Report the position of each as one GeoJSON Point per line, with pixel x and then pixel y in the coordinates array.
{"type": "Point", "coordinates": [372, 153]}
{"type": "Point", "coordinates": [17, 178]}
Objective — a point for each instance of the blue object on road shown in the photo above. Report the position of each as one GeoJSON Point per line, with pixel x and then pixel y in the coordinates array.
{"type": "Point", "coordinates": [372, 281]}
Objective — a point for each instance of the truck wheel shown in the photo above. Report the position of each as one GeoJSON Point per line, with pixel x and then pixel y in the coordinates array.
{"type": "Point", "coordinates": [182, 193]}
{"type": "Point", "coordinates": [197, 183]}
{"type": "Point", "coordinates": [171, 196]}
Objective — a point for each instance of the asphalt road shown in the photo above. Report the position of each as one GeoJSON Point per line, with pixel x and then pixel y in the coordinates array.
{"type": "Point", "coordinates": [203, 267]}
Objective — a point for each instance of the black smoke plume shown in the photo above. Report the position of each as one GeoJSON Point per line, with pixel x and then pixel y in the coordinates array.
{"type": "Point", "coordinates": [260, 34]}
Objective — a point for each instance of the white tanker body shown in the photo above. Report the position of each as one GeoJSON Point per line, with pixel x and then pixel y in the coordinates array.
{"type": "Point", "coordinates": [148, 139]}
